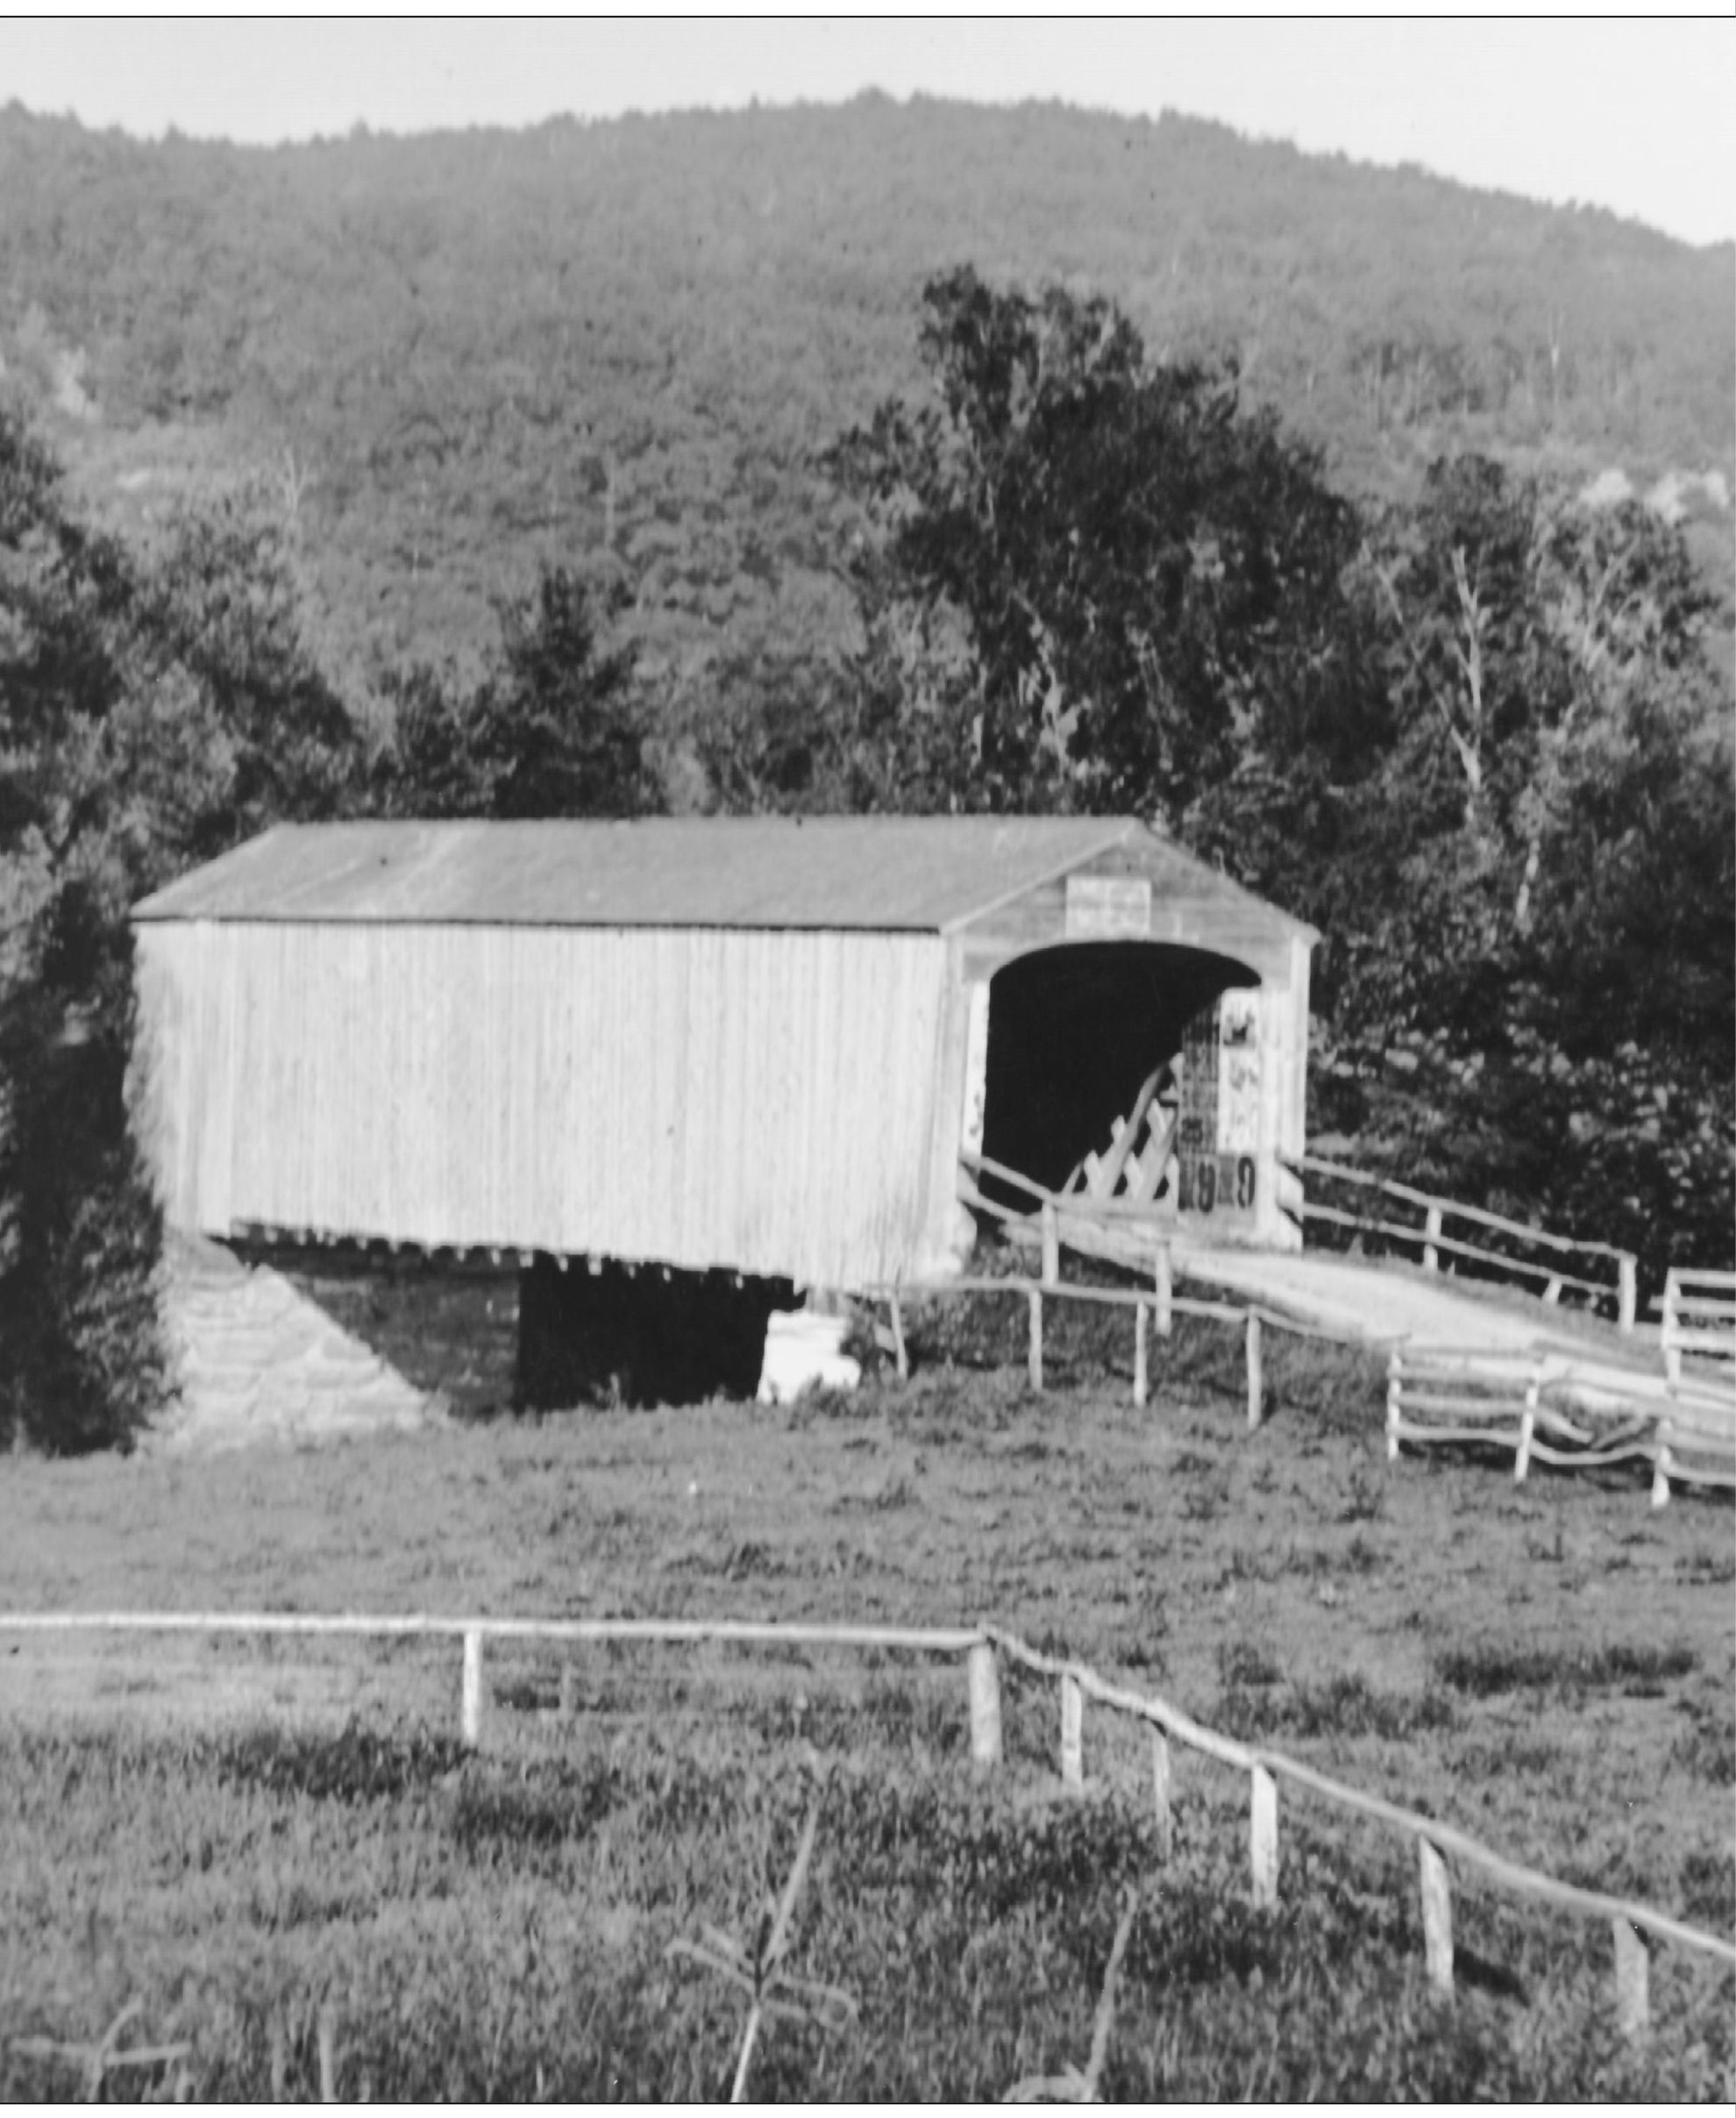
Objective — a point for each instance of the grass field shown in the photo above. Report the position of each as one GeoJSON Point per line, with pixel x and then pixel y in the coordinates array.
{"type": "Point", "coordinates": [243, 1836]}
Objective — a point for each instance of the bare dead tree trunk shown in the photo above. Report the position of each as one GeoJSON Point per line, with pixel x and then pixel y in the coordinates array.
{"type": "Point", "coordinates": [1470, 658]}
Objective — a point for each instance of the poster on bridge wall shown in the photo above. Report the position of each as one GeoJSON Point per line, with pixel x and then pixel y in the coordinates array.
{"type": "Point", "coordinates": [1217, 1138]}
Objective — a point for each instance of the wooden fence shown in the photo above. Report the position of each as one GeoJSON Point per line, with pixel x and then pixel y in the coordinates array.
{"type": "Point", "coordinates": [475, 1632]}
{"type": "Point", "coordinates": [1107, 1229]}
{"type": "Point", "coordinates": [984, 1648]}
{"type": "Point", "coordinates": [1155, 1311]}
{"type": "Point", "coordinates": [1699, 1318]}
{"type": "Point", "coordinates": [1435, 1398]}
{"type": "Point", "coordinates": [1128, 1233]}
{"type": "Point", "coordinates": [1695, 1443]}
{"type": "Point", "coordinates": [1430, 1238]}
{"type": "Point", "coordinates": [1436, 1840]}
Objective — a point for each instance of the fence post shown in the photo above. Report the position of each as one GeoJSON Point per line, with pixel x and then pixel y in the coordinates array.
{"type": "Point", "coordinates": [1051, 1246]}
{"type": "Point", "coordinates": [1633, 1978]}
{"type": "Point", "coordinates": [1437, 1918]}
{"type": "Point", "coordinates": [1072, 1732]}
{"type": "Point", "coordinates": [1160, 1794]}
{"type": "Point", "coordinates": [1263, 1838]}
{"type": "Point", "coordinates": [1140, 1390]}
{"type": "Point", "coordinates": [901, 1352]}
{"type": "Point", "coordinates": [327, 2035]}
{"type": "Point", "coordinates": [985, 1706]}
{"type": "Point", "coordinates": [1627, 1297]}
{"type": "Point", "coordinates": [1527, 1430]}
{"type": "Point", "coordinates": [1395, 1378]}
{"type": "Point", "coordinates": [470, 1708]}
{"type": "Point", "coordinates": [1256, 1380]}
{"type": "Point", "coordinates": [1166, 1322]}
{"type": "Point", "coordinates": [1667, 1331]}
{"type": "Point", "coordinates": [1431, 1229]}
{"type": "Point", "coordinates": [1037, 1339]}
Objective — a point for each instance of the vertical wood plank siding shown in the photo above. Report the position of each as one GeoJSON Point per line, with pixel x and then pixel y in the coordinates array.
{"type": "Point", "coordinates": [763, 1100]}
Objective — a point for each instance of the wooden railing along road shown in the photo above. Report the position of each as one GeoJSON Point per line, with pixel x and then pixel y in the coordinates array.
{"type": "Point", "coordinates": [1691, 1436]}
{"type": "Point", "coordinates": [1430, 1238]}
{"type": "Point", "coordinates": [1127, 1231]}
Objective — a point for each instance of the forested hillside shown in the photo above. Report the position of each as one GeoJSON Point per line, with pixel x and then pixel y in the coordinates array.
{"type": "Point", "coordinates": [623, 344]}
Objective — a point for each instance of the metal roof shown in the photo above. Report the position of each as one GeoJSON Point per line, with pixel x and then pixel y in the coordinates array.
{"type": "Point", "coordinates": [886, 873]}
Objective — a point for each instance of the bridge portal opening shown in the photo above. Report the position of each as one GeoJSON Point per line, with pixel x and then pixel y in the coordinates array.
{"type": "Point", "coordinates": [1074, 1032]}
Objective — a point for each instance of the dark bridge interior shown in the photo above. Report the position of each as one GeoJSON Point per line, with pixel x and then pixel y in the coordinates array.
{"type": "Point", "coordinates": [1073, 1032]}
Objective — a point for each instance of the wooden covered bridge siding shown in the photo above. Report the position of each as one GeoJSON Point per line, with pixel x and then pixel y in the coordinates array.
{"type": "Point", "coordinates": [752, 1045]}
{"type": "Point", "coordinates": [697, 1098]}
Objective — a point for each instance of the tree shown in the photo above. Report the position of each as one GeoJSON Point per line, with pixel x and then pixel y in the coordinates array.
{"type": "Point", "coordinates": [1087, 581]}
{"type": "Point", "coordinates": [223, 605]}
{"type": "Point", "coordinates": [156, 709]}
{"type": "Point", "coordinates": [81, 1361]}
{"type": "Point", "coordinates": [552, 729]}
{"type": "Point", "coordinates": [1530, 984]}
{"type": "Point", "coordinates": [153, 711]}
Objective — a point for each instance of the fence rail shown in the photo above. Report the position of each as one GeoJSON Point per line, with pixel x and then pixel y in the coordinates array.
{"type": "Point", "coordinates": [1435, 1398]}
{"type": "Point", "coordinates": [1157, 1309]}
{"type": "Point", "coordinates": [1699, 1316]}
{"type": "Point", "coordinates": [1429, 1237]}
{"type": "Point", "coordinates": [1055, 1224]}
{"type": "Point", "coordinates": [1254, 1759]}
{"type": "Point", "coordinates": [983, 1647]}
{"type": "Point", "coordinates": [1125, 1230]}
{"type": "Point", "coordinates": [1692, 1441]}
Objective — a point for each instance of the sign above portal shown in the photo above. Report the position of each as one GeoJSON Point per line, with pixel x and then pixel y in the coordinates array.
{"type": "Point", "coordinates": [1108, 907]}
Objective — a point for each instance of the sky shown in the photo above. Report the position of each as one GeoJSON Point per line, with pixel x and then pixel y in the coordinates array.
{"type": "Point", "coordinates": [1629, 114]}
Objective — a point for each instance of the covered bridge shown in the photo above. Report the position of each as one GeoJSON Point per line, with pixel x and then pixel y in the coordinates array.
{"type": "Point", "coordinates": [759, 1043]}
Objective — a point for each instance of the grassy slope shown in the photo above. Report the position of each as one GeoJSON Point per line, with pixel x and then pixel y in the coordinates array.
{"type": "Point", "coordinates": [1551, 1668]}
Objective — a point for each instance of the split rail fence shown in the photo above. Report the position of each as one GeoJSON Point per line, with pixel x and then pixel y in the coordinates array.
{"type": "Point", "coordinates": [985, 1649]}
{"type": "Point", "coordinates": [1699, 1317]}
{"type": "Point", "coordinates": [1435, 1397]}
{"type": "Point", "coordinates": [1095, 1230]}
{"type": "Point", "coordinates": [1430, 1239]}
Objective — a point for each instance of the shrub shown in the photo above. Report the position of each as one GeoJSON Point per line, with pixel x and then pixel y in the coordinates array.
{"type": "Point", "coordinates": [1482, 1671]}
{"type": "Point", "coordinates": [1346, 1706]}
{"type": "Point", "coordinates": [86, 1365]}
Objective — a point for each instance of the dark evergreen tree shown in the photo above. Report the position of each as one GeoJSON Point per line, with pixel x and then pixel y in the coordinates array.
{"type": "Point", "coordinates": [553, 730]}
